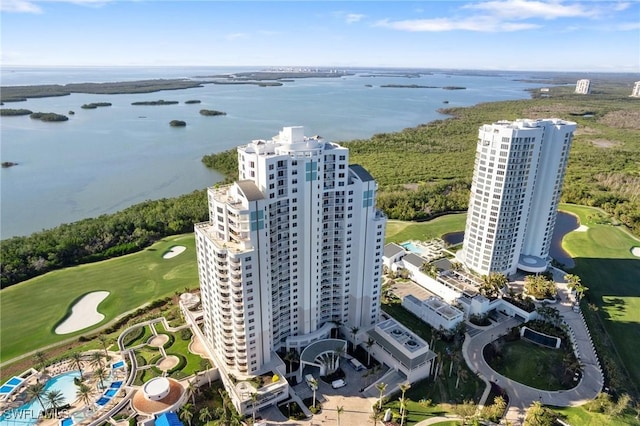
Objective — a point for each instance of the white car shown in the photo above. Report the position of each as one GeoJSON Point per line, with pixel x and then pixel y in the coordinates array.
{"type": "Point", "coordinates": [338, 383]}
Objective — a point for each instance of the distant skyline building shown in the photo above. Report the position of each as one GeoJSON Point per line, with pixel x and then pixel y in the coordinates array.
{"type": "Point", "coordinates": [292, 250]}
{"type": "Point", "coordinates": [635, 93]}
{"type": "Point", "coordinates": [583, 87]}
{"type": "Point", "coordinates": [517, 180]}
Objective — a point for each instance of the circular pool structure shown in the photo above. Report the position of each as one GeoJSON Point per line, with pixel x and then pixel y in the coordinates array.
{"type": "Point", "coordinates": [157, 388]}
{"type": "Point", "coordinates": [168, 391]}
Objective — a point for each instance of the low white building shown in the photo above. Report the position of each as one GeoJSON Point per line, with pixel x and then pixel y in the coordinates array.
{"type": "Point", "coordinates": [392, 254]}
{"type": "Point", "coordinates": [583, 87]}
{"type": "Point", "coordinates": [402, 350]}
{"type": "Point", "coordinates": [434, 311]}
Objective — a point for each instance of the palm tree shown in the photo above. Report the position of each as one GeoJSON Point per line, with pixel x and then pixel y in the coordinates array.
{"type": "Point", "coordinates": [370, 342]}
{"type": "Point", "coordinates": [429, 269]}
{"type": "Point", "coordinates": [104, 340]}
{"type": "Point", "coordinates": [403, 409]}
{"type": "Point", "coordinates": [36, 390]}
{"type": "Point", "coordinates": [314, 385]}
{"type": "Point", "coordinates": [41, 359]}
{"type": "Point", "coordinates": [254, 399]}
{"type": "Point", "coordinates": [95, 360]}
{"type": "Point", "coordinates": [375, 416]}
{"type": "Point", "coordinates": [381, 387]}
{"type": "Point", "coordinates": [84, 393]}
{"type": "Point", "coordinates": [185, 413]}
{"type": "Point", "coordinates": [291, 357]}
{"type": "Point", "coordinates": [192, 389]}
{"type": "Point", "coordinates": [574, 283]}
{"type": "Point", "coordinates": [338, 324]}
{"type": "Point", "coordinates": [101, 373]}
{"type": "Point", "coordinates": [339, 410]}
{"type": "Point", "coordinates": [206, 415]}
{"type": "Point", "coordinates": [403, 388]}
{"type": "Point", "coordinates": [354, 332]}
{"type": "Point", "coordinates": [76, 359]}
{"type": "Point", "coordinates": [55, 399]}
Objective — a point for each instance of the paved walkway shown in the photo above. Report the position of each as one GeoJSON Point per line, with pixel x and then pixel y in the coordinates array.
{"type": "Point", "coordinates": [522, 396]}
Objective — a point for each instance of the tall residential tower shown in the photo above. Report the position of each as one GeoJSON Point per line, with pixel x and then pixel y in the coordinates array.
{"type": "Point", "coordinates": [517, 181]}
{"type": "Point", "coordinates": [292, 249]}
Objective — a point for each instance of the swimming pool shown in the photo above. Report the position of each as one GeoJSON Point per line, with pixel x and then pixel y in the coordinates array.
{"type": "Point", "coordinates": [27, 414]}
{"type": "Point", "coordinates": [118, 364]}
{"type": "Point", "coordinates": [412, 248]}
{"type": "Point", "coordinates": [111, 392]}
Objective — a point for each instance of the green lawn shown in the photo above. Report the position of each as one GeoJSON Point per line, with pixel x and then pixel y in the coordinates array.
{"type": "Point", "coordinates": [532, 365]}
{"type": "Point", "coordinates": [582, 417]}
{"type": "Point", "coordinates": [30, 311]}
{"type": "Point", "coordinates": [399, 231]}
{"type": "Point", "coordinates": [606, 266]}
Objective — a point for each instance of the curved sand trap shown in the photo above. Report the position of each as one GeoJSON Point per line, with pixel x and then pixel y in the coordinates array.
{"type": "Point", "coordinates": [635, 251]}
{"type": "Point", "coordinates": [84, 313]}
{"type": "Point", "coordinates": [159, 340]}
{"type": "Point", "coordinates": [167, 363]}
{"type": "Point", "coordinates": [173, 252]}
{"type": "Point", "coordinates": [582, 228]}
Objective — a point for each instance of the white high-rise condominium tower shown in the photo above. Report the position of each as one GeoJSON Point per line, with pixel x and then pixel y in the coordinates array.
{"type": "Point", "coordinates": [292, 249]}
{"type": "Point", "coordinates": [583, 87]}
{"type": "Point", "coordinates": [517, 181]}
{"type": "Point", "coordinates": [635, 92]}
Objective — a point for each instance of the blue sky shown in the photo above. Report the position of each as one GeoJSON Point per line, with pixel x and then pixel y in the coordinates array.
{"type": "Point", "coordinates": [498, 34]}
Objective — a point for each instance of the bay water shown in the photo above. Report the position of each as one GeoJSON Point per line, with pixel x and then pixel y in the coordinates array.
{"type": "Point", "coordinates": [106, 159]}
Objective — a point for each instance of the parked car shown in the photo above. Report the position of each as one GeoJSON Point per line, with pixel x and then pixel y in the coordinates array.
{"type": "Point", "coordinates": [338, 383]}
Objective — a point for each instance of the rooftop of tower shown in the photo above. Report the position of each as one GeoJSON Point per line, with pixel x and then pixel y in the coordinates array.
{"type": "Point", "coordinates": [360, 171]}
{"type": "Point", "coordinates": [250, 190]}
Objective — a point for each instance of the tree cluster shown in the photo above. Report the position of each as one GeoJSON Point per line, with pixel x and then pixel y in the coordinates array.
{"type": "Point", "coordinates": [99, 238]}
{"type": "Point", "coordinates": [48, 116]}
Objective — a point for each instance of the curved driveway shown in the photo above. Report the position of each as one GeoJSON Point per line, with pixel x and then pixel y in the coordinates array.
{"type": "Point", "coordinates": [522, 396]}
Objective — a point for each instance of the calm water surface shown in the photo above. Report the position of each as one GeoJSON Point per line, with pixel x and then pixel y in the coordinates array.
{"type": "Point", "coordinates": [106, 159]}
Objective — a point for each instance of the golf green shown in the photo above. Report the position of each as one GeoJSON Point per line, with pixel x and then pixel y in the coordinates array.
{"type": "Point", "coordinates": [30, 311]}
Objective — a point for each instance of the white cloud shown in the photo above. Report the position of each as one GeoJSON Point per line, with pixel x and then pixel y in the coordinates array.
{"type": "Point", "coordinates": [628, 26]}
{"type": "Point", "coordinates": [236, 36]}
{"type": "Point", "coordinates": [524, 9]}
{"type": "Point", "coordinates": [348, 17]}
{"type": "Point", "coordinates": [477, 24]}
{"type": "Point", "coordinates": [619, 7]}
{"type": "Point", "coordinates": [19, 6]}
{"type": "Point", "coordinates": [353, 17]}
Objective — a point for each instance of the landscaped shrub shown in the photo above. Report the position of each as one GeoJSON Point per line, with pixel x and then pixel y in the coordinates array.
{"type": "Point", "coordinates": [169, 342]}
{"type": "Point", "coordinates": [132, 336]}
{"type": "Point", "coordinates": [140, 360]}
{"type": "Point", "coordinates": [185, 334]}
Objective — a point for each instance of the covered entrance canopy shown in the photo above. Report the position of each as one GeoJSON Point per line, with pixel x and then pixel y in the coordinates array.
{"type": "Point", "coordinates": [324, 354]}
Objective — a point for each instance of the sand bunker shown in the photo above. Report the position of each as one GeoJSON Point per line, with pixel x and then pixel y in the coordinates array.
{"type": "Point", "coordinates": [84, 313]}
{"type": "Point", "coordinates": [173, 252]}
{"type": "Point", "coordinates": [635, 251]}
{"type": "Point", "coordinates": [168, 363]}
{"type": "Point", "coordinates": [582, 228]}
{"type": "Point", "coordinates": [159, 340]}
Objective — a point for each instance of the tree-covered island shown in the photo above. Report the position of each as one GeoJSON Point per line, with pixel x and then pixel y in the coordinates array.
{"type": "Point", "coordinates": [48, 116]}
{"type": "Point", "coordinates": [95, 105]}
{"type": "Point", "coordinates": [159, 102]}
{"type": "Point", "coordinates": [8, 112]}
{"type": "Point", "coordinates": [211, 112]}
